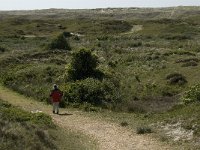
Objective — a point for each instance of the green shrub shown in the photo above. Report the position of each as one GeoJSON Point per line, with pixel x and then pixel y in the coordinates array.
{"type": "Point", "coordinates": [136, 108]}
{"type": "Point", "coordinates": [188, 64]}
{"type": "Point", "coordinates": [42, 119]}
{"type": "Point", "coordinates": [59, 42]}
{"type": "Point", "coordinates": [178, 37]}
{"type": "Point", "coordinates": [2, 49]}
{"type": "Point", "coordinates": [14, 114]}
{"type": "Point", "coordinates": [192, 95]}
{"type": "Point", "coordinates": [90, 108]}
{"type": "Point", "coordinates": [135, 44]}
{"type": "Point", "coordinates": [179, 52]}
{"type": "Point", "coordinates": [102, 38]}
{"type": "Point", "coordinates": [176, 78]}
{"type": "Point", "coordinates": [67, 34]}
{"type": "Point", "coordinates": [144, 130]}
{"type": "Point", "coordinates": [76, 38]}
{"type": "Point", "coordinates": [124, 124]}
{"type": "Point", "coordinates": [83, 66]}
{"type": "Point", "coordinates": [33, 81]}
{"type": "Point", "coordinates": [187, 60]}
{"type": "Point", "coordinates": [91, 91]}
{"type": "Point", "coordinates": [169, 91]}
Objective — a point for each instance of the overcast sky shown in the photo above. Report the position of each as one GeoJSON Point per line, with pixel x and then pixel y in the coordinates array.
{"type": "Point", "coordinates": [78, 4]}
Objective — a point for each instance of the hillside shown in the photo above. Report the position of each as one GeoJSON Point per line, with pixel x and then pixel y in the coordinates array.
{"type": "Point", "coordinates": [80, 131]}
{"type": "Point", "coordinates": [114, 13]}
{"type": "Point", "coordinates": [148, 61]}
{"type": "Point", "coordinates": [21, 129]}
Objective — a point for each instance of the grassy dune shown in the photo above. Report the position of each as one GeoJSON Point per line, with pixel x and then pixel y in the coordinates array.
{"type": "Point", "coordinates": [152, 55]}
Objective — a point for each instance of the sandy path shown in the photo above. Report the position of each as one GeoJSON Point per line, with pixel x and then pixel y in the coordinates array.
{"type": "Point", "coordinates": [109, 136]}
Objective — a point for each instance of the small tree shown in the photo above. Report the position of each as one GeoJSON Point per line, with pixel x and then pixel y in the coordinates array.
{"type": "Point", "coordinates": [83, 66]}
{"type": "Point", "coordinates": [60, 43]}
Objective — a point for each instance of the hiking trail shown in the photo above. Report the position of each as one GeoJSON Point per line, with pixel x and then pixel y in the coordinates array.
{"type": "Point", "coordinates": [108, 135]}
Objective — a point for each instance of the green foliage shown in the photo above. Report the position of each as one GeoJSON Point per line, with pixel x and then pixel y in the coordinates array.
{"type": "Point", "coordinates": [180, 52]}
{"type": "Point", "coordinates": [176, 78]}
{"type": "Point", "coordinates": [2, 49]}
{"type": "Point", "coordinates": [135, 44]}
{"type": "Point", "coordinates": [140, 58]}
{"type": "Point", "coordinates": [59, 42]}
{"type": "Point", "coordinates": [33, 80]}
{"type": "Point", "coordinates": [118, 26]}
{"type": "Point", "coordinates": [124, 124]}
{"type": "Point", "coordinates": [177, 37]}
{"type": "Point", "coordinates": [90, 108]}
{"type": "Point", "coordinates": [136, 107]}
{"type": "Point", "coordinates": [14, 114]}
{"type": "Point", "coordinates": [192, 95]}
{"type": "Point", "coordinates": [91, 91]}
{"type": "Point", "coordinates": [144, 130]}
{"type": "Point", "coordinates": [19, 129]}
{"type": "Point", "coordinates": [23, 130]}
{"type": "Point", "coordinates": [42, 119]}
{"type": "Point", "coordinates": [188, 64]}
{"type": "Point", "coordinates": [83, 65]}
{"type": "Point", "coordinates": [187, 60]}
{"type": "Point", "coordinates": [67, 34]}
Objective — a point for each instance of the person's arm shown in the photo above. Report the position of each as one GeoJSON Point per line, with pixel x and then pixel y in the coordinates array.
{"type": "Point", "coordinates": [50, 97]}
{"type": "Point", "coordinates": [51, 94]}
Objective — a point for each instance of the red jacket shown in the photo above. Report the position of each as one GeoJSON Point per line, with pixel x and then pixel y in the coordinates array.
{"type": "Point", "coordinates": [56, 95]}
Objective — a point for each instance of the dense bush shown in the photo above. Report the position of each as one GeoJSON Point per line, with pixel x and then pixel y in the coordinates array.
{"type": "Point", "coordinates": [87, 84]}
{"type": "Point", "coordinates": [177, 37]}
{"type": "Point", "coordinates": [93, 91]}
{"type": "Point", "coordinates": [135, 44]}
{"type": "Point", "coordinates": [2, 49]}
{"type": "Point", "coordinates": [144, 130]}
{"type": "Point", "coordinates": [33, 80]}
{"type": "Point", "coordinates": [60, 42]}
{"type": "Point", "coordinates": [187, 60]}
{"type": "Point", "coordinates": [176, 78]}
{"type": "Point", "coordinates": [67, 34]}
{"type": "Point", "coordinates": [188, 64]}
{"type": "Point", "coordinates": [124, 124]}
{"type": "Point", "coordinates": [83, 65]}
{"type": "Point", "coordinates": [192, 95]}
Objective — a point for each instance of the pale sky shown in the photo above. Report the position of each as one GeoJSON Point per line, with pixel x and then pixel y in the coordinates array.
{"type": "Point", "coordinates": [80, 4]}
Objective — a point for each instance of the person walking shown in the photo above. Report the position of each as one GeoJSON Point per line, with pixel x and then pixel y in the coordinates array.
{"type": "Point", "coordinates": [56, 96]}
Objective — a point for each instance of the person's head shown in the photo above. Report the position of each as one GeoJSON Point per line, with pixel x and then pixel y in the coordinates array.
{"type": "Point", "coordinates": [55, 87]}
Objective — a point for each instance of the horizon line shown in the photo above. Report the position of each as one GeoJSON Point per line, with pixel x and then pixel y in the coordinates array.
{"type": "Point", "coordinates": [96, 8]}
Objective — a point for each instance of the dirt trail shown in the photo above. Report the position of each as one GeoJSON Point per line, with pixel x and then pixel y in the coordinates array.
{"type": "Point", "coordinates": [108, 135]}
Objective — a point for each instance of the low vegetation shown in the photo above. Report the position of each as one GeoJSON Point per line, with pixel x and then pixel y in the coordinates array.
{"type": "Point", "coordinates": [25, 130]}
{"type": "Point", "coordinates": [59, 42]}
{"type": "Point", "coordinates": [192, 95]}
{"type": "Point", "coordinates": [176, 78]}
{"type": "Point", "coordinates": [144, 130]}
{"type": "Point", "coordinates": [101, 60]}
